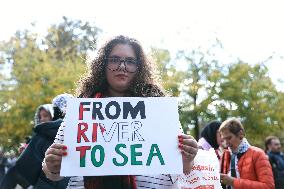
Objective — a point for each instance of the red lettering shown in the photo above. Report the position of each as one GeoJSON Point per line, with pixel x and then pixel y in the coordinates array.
{"type": "Point", "coordinates": [83, 150]}
{"type": "Point", "coordinates": [81, 132]}
{"type": "Point", "coordinates": [95, 132]}
{"type": "Point", "coordinates": [82, 109]}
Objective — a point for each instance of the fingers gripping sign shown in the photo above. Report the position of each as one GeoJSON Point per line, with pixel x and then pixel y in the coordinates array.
{"type": "Point", "coordinates": [188, 147]}
{"type": "Point", "coordinates": [53, 157]}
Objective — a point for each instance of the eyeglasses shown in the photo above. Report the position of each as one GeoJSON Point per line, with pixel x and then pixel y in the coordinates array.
{"type": "Point", "coordinates": [114, 63]}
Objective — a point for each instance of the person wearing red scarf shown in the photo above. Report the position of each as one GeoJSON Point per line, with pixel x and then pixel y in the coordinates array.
{"type": "Point", "coordinates": [121, 69]}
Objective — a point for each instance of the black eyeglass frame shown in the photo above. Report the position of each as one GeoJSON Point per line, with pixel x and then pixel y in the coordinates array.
{"type": "Point", "coordinates": [124, 60]}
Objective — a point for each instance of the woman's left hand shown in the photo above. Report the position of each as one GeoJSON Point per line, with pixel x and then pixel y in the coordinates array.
{"type": "Point", "coordinates": [188, 147]}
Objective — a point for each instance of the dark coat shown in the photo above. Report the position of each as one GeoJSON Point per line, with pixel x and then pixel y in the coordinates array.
{"type": "Point", "coordinates": [3, 164]}
{"type": "Point", "coordinates": [29, 164]}
{"type": "Point", "coordinates": [277, 163]}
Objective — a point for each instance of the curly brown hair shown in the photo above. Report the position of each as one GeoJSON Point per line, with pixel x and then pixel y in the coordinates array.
{"type": "Point", "coordinates": [144, 84]}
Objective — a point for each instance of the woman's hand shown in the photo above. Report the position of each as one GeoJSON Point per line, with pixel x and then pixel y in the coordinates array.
{"type": "Point", "coordinates": [226, 179]}
{"type": "Point", "coordinates": [53, 157]}
{"type": "Point", "coordinates": [188, 147]}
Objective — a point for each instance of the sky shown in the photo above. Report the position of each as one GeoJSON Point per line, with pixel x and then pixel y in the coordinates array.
{"type": "Point", "coordinates": [249, 30]}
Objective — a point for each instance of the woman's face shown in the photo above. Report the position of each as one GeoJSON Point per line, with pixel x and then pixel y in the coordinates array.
{"type": "Point", "coordinates": [233, 141]}
{"type": "Point", "coordinates": [44, 116]}
{"type": "Point", "coordinates": [120, 69]}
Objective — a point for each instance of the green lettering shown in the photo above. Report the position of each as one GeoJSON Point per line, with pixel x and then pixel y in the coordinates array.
{"type": "Point", "coordinates": [134, 154]}
{"type": "Point", "coordinates": [102, 155]}
{"type": "Point", "coordinates": [82, 162]}
{"type": "Point", "coordinates": [125, 158]}
{"type": "Point", "coordinates": [152, 153]}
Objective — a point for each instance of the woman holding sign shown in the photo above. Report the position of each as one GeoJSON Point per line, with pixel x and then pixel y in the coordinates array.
{"type": "Point", "coordinates": [120, 70]}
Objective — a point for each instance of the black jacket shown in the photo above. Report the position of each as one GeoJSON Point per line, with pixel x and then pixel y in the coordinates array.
{"type": "Point", "coordinates": [3, 164]}
{"type": "Point", "coordinates": [29, 164]}
{"type": "Point", "coordinates": [277, 163]}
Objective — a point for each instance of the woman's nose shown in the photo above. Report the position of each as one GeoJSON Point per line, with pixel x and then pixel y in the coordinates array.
{"type": "Point", "coordinates": [122, 66]}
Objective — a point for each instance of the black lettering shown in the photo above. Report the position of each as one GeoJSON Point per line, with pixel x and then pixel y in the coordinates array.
{"type": "Point", "coordinates": [127, 108]}
{"type": "Point", "coordinates": [117, 107]}
{"type": "Point", "coordinates": [97, 111]}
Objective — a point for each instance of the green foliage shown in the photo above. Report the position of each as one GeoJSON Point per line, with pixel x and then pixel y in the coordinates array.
{"type": "Point", "coordinates": [199, 87]}
{"type": "Point", "coordinates": [41, 69]}
{"type": "Point", "coordinates": [209, 91]}
{"type": "Point", "coordinates": [170, 76]}
{"type": "Point", "coordinates": [248, 93]}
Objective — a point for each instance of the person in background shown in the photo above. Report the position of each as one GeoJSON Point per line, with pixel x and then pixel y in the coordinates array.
{"type": "Point", "coordinates": [276, 158]}
{"type": "Point", "coordinates": [24, 145]}
{"type": "Point", "coordinates": [44, 135]}
{"type": "Point", "coordinates": [3, 164]}
{"type": "Point", "coordinates": [248, 165]}
{"type": "Point", "coordinates": [27, 170]}
{"type": "Point", "coordinates": [44, 113]}
{"type": "Point", "coordinates": [11, 160]}
{"type": "Point", "coordinates": [211, 138]}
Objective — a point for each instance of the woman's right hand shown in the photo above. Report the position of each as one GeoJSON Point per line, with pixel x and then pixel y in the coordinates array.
{"type": "Point", "coordinates": [53, 157]}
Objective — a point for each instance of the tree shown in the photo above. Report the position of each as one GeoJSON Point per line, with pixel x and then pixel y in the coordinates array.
{"type": "Point", "coordinates": [71, 39]}
{"type": "Point", "coordinates": [196, 83]}
{"type": "Point", "coordinates": [209, 91]}
{"type": "Point", "coordinates": [170, 76]}
{"type": "Point", "coordinates": [247, 92]}
{"type": "Point", "coordinates": [199, 88]}
{"type": "Point", "coordinates": [41, 69]}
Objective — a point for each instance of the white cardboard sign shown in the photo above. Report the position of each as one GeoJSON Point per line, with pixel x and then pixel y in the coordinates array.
{"type": "Point", "coordinates": [121, 136]}
{"type": "Point", "coordinates": [205, 173]}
